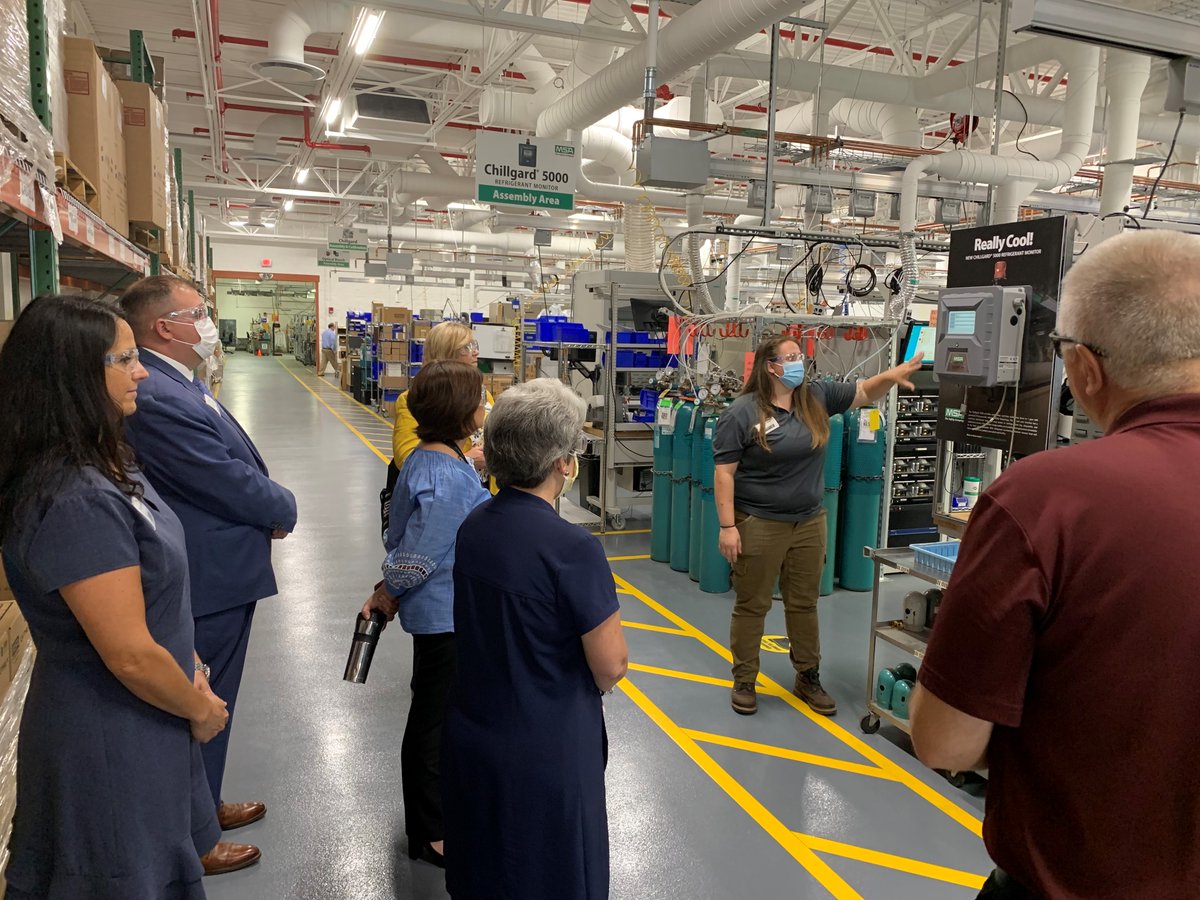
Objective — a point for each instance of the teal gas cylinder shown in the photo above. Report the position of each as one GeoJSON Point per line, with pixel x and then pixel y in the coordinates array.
{"type": "Point", "coordinates": [833, 490]}
{"type": "Point", "coordinates": [863, 491]}
{"type": "Point", "coordinates": [660, 514]}
{"type": "Point", "coordinates": [901, 698]}
{"type": "Point", "coordinates": [714, 570]}
{"type": "Point", "coordinates": [681, 486]}
{"type": "Point", "coordinates": [885, 687]}
{"type": "Point", "coordinates": [699, 417]}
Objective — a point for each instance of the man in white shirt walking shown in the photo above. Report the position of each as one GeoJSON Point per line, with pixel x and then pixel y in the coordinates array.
{"type": "Point", "coordinates": [328, 349]}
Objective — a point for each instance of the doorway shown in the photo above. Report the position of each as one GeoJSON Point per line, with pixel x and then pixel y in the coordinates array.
{"type": "Point", "coordinates": [272, 314]}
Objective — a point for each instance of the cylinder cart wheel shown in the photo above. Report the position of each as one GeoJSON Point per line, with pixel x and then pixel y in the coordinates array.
{"type": "Point", "coordinates": [617, 520]}
{"type": "Point", "coordinates": [869, 724]}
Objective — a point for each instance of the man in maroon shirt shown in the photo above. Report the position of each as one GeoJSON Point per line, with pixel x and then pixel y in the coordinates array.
{"type": "Point", "coordinates": [1066, 656]}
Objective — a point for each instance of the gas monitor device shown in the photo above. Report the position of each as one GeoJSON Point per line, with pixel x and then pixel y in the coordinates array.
{"type": "Point", "coordinates": [980, 331]}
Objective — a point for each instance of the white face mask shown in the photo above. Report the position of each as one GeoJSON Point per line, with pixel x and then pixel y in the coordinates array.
{"type": "Point", "coordinates": [210, 338]}
{"type": "Point", "coordinates": [569, 481]}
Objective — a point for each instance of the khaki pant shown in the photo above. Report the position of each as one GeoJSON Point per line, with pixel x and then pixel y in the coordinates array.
{"type": "Point", "coordinates": [328, 358]}
{"type": "Point", "coordinates": [793, 552]}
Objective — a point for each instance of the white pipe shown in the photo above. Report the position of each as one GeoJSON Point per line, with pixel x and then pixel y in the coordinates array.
{"type": "Point", "coordinates": [889, 123]}
{"type": "Point", "coordinates": [1083, 64]}
{"type": "Point", "coordinates": [618, 193]}
{"type": "Point", "coordinates": [512, 242]}
{"type": "Point", "coordinates": [608, 147]}
{"type": "Point", "coordinates": [704, 30]}
{"type": "Point", "coordinates": [1125, 78]}
{"type": "Point", "coordinates": [697, 112]}
{"type": "Point", "coordinates": [267, 135]}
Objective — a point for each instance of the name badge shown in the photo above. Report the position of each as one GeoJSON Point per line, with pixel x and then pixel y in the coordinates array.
{"type": "Point", "coordinates": [771, 426]}
{"type": "Point", "coordinates": [140, 505]}
{"type": "Point", "coordinates": [213, 403]}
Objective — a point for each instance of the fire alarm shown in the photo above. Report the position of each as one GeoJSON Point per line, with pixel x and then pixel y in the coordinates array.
{"type": "Point", "coordinates": [266, 264]}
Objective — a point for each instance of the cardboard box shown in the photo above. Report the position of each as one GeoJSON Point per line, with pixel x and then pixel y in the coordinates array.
{"type": "Point", "coordinates": [394, 315]}
{"type": "Point", "coordinates": [393, 382]}
{"type": "Point", "coordinates": [5, 327]}
{"type": "Point", "coordinates": [145, 154]}
{"type": "Point", "coordinates": [393, 351]}
{"type": "Point", "coordinates": [501, 312]}
{"type": "Point", "coordinates": [6, 594]}
{"type": "Point", "coordinates": [95, 129]}
{"type": "Point", "coordinates": [9, 614]}
{"type": "Point", "coordinates": [421, 329]}
{"type": "Point", "coordinates": [389, 409]}
{"type": "Point", "coordinates": [497, 384]}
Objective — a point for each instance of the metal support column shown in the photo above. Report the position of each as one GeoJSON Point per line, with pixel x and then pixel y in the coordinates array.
{"type": "Point", "coordinates": [43, 263]}
{"type": "Point", "coordinates": [43, 249]}
{"type": "Point", "coordinates": [141, 66]}
{"type": "Point", "coordinates": [14, 262]}
{"type": "Point", "coordinates": [191, 207]}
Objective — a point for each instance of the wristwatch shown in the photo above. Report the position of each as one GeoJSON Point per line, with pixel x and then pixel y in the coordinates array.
{"type": "Point", "coordinates": [202, 667]}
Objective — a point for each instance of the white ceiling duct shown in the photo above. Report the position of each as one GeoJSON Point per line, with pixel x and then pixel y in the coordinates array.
{"type": "Point", "coordinates": [285, 40]}
{"type": "Point", "coordinates": [511, 242]}
{"type": "Point", "coordinates": [706, 29]}
{"type": "Point", "coordinates": [267, 136]}
{"type": "Point", "coordinates": [1125, 77]}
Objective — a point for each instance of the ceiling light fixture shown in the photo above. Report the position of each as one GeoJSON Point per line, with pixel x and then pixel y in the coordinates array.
{"type": "Point", "coordinates": [289, 205]}
{"type": "Point", "coordinates": [365, 30]}
{"type": "Point", "coordinates": [301, 176]}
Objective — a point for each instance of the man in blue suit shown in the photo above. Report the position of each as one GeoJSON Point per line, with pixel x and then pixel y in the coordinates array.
{"type": "Point", "coordinates": [207, 469]}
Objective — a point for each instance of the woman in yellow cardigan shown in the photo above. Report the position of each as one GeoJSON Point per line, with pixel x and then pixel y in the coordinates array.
{"type": "Point", "coordinates": [446, 340]}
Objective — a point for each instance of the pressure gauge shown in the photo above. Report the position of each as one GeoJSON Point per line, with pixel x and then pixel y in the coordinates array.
{"type": "Point", "coordinates": [701, 394]}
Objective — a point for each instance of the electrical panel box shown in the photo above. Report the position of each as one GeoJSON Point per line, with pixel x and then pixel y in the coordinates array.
{"type": "Point", "coordinates": [496, 341]}
{"type": "Point", "coordinates": [542, 237]}
{"type": "Point", "coordinates": [950, 212]}
{"type": "Point", "coordinates": [862, 204]}
{"type": "Point", "coordinates": [672, 163]}
{"type": "Point", "coordinates": [756, 195]}
{"type": "Point", "coordinates": [893, 207]}
{"type": "Point", "coordinates": [1183, 86]}
{"type": "Point", "coordinates": [375, 269]}
{"type": "Point", "coordinates": [980, 332]}
{"type": "Point", "coordinates": [820, 200]}
{"type": "Point", "coordinates": [399, 262]}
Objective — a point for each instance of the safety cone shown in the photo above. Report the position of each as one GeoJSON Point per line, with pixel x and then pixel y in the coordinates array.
{"type": "Point", "coordinates": [260, 351]}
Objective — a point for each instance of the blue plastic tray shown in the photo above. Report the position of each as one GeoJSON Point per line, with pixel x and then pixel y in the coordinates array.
{"type": "Point", "coordinates": [939, 557]}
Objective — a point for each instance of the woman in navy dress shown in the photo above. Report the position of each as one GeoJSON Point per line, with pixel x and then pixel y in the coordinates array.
{"type": "Point", "coordinates": [112, 802]}
{"type": "Point", "coordinates": [539, 641]}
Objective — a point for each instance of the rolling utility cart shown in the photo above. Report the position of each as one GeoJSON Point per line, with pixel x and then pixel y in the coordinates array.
{"type": "Point", "coordinates": [931, 564]}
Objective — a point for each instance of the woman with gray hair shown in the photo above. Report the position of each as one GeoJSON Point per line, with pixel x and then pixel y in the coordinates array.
{"type": "Point", "coordinates": [539, 636]}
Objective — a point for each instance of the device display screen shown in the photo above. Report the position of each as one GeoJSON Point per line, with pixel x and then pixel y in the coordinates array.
{"type": "Point", "coordinates": [961, 321]}
{"type": "Point", "coordinates": [920, 340]}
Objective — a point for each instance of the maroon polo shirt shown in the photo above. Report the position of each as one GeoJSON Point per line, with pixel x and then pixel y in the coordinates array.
{"type": "Point", "coordinates": [1072, 622]}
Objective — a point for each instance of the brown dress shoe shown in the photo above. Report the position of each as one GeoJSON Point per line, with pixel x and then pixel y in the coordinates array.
{"type": "Point", "coordinates": [743, 698]}
{"type": "Point", "coordinates": [235, 815]}
{"type": "Point", "coordinates": [226, 857]}
{"type": "Point", "coordinates": [808, 688]}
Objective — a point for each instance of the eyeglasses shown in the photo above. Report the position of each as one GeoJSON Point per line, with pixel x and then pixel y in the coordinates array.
{"type": "Point", "coordinates": [1059, 339]}
{"type": "Point", "coordinates": [126, 362]}
{"type": "Point", "coordinates": [581, 443]}
{"type": "Point", "coordinates": [468, 349]}
{"type": "Point", "coordinates": [791, 357]}
{"type": "Point", "coordinates": [192, 314]}
{"type": "Point", "coordinates": [483, 396]}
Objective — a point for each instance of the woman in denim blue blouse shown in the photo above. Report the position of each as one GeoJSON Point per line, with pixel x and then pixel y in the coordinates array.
{"type": "Point", "coordinates": [436, 490]}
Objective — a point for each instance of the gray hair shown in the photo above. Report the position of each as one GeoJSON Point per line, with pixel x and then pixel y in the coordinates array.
{"type": "Point", "coordinates": [530, 427]}
{"type": "Point", "coordinates": [1137, 298]}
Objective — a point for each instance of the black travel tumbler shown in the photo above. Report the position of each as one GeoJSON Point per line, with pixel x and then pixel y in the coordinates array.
{"type": "Point", "coordinates": [362, 648]}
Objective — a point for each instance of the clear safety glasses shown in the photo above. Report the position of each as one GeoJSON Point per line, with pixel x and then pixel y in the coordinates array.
{"type": "Point", "coordinates": [126, 362]}
{"type": "Point", "coordinates": [187, 316]}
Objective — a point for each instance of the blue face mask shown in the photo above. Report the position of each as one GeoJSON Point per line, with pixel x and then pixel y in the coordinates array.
{"type": "Point", "coordinates": [793, 374]}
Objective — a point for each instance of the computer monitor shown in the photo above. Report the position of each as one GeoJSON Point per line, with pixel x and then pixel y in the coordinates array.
{"type": "Point", "coordinates": [920, 340]}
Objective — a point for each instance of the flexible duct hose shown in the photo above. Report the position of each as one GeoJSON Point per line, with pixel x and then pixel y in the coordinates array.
{"type": "Point", "coordinates": [639, 238]}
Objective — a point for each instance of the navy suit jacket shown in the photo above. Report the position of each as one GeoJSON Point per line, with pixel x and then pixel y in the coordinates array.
{"type": "Point", "coordinates": [208, 471]}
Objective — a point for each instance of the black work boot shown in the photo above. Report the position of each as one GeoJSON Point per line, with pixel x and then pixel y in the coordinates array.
{"type": "Point", "coordinates": [808, 688]}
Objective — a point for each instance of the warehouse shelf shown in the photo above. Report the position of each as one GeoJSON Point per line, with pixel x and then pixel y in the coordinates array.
{"type": "Point", "coordinates": [91, 250]}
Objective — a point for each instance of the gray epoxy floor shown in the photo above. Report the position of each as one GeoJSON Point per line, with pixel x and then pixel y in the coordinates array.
{"type": "Point", "coordinates": [697, 808]}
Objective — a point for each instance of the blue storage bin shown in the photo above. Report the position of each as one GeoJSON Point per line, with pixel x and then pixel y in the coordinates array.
{"type": "Point", "coordinates": [641, 360]}
{"type": "Point", "coordinates": [476, 317]}
{"type": "Point", "coordinates": [625, 359]}
{"type": "Point", "coordinates": [646, 417]}
{"type": "Point", "coordinates": [672, 362]}
{"type": "Point", "coordinates": [939, 557]}
{"type": "Point", "coordinates": [416, 352]}
{"type": "Point", "coordinates": [649, 399]}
